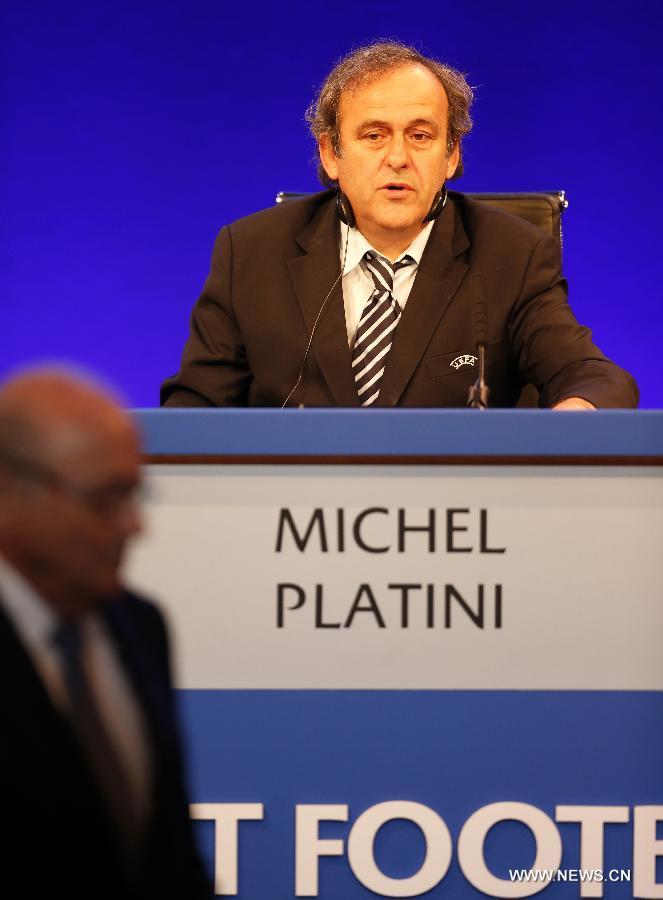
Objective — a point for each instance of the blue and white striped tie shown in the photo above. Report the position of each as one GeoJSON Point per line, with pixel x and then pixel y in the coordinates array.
{"type": "Point", "coordinates": [377, 326]}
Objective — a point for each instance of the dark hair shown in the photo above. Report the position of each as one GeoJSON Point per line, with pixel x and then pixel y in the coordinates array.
{"type": "Point", "coordinates": [368, 63]}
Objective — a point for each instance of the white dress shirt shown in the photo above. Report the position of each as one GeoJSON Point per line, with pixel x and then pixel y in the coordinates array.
{"type": "Point", "coordinates": [357, 283]}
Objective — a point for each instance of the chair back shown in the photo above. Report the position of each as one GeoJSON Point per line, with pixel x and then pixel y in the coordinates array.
{"type": "Point", "coordinates": [541, 208]}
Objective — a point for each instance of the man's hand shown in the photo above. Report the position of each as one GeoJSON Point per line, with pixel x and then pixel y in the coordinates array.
{"type": "Point", "coordinates": [574, 403]}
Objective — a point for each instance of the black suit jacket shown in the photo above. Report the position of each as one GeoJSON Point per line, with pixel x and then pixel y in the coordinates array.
{"type": "Point", "coordinates": [270, 275]}
{"type": "Point", "coordinates": [57, 839]}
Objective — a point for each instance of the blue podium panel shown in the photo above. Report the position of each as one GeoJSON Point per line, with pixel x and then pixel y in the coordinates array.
{"type": "Point", "coordinates": [454, 752]}
{"type": "Point", "coordinates": [397, 432]}
{"type": "Point", "coordinates": [418, 653]}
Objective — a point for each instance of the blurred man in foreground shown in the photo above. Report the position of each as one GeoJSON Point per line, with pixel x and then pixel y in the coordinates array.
{"type": "Point", "coordinates": [91, 784]}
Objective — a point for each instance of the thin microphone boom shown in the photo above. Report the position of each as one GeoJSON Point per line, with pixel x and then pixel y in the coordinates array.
{"type": "Point", "coordinates": [477, 397]}
{"type": "Point", "coordinates": [317, 319]}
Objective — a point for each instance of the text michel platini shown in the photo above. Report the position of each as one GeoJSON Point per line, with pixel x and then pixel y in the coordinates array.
{"type": "Point", "coordinates": [450, 531]}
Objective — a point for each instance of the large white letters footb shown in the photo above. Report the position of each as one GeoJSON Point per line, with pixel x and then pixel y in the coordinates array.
{"type": "Point", "coordinates": [226, 818]}
{"type": "Point", "coordinates": [362, 839]}
{"type": "Point", "coordinates": [309, 847]}
{"type": "Point", "coordinates": [472, 837]}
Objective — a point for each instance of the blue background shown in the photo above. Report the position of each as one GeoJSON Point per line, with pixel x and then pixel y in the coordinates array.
{"type": "Point", "coordinates": [130, 132]}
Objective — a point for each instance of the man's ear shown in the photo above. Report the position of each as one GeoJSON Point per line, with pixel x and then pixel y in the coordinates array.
{"type": "Point", "coordinates": [7, 492]}
{"type": "Point", "coordinates": [328, 157]}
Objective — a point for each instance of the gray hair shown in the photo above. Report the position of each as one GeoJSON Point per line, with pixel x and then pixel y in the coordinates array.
{"type": "Point", "coordinates": [368, 63]}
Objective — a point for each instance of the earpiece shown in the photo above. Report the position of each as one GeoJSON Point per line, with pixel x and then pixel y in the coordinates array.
{"type": "Point", "coordinates": [347, 216]}
{"type": "Point", "coordinates": [345, 212]}
{"type": "Point", "coordinates": [437, 205]}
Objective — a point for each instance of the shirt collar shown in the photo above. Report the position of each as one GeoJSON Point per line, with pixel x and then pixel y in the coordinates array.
{"type": "Point", "coordinates": [357, 246]}
{"type": "Point", "coordinates": [30, 614]}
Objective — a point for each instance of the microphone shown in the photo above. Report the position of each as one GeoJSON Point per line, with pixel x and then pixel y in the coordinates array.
{"type": "Point", "coordinates": [477, 396]}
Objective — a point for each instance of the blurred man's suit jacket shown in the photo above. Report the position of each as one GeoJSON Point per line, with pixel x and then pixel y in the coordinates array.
{"type": "Point", "coordinates": [58, 840]}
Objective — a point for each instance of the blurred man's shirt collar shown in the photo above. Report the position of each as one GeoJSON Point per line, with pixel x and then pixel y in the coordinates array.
{"type": "Point", "coordinates": [35, 622]}
{"type": "Point", "coordinates": [30, 614]}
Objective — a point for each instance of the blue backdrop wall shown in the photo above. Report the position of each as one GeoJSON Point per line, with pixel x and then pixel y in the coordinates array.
{"type": "Point", "coordinates": [130, 132]}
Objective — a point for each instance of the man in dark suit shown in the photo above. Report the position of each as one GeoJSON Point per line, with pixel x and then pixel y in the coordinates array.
{"type": "Point", "coordinates": [91, 781]}
{"type": "Point", "coordinates": [372, 294]}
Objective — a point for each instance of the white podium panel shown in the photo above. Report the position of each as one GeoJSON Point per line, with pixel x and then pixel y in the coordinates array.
{"type": "Point", "coordinates": [358, 577]}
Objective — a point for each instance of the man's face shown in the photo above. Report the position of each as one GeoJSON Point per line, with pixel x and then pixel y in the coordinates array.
{"type": "Point", "coordinates": [393, 152]}
{"type": "Point", "coordinates": [70, 517]}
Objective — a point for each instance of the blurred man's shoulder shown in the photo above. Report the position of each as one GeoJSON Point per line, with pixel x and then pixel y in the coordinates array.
{"type": "Point", "coordinates": [135, 611]}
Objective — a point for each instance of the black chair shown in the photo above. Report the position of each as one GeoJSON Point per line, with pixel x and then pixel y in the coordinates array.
{"type": "Point", "coordinates": [541, 208]}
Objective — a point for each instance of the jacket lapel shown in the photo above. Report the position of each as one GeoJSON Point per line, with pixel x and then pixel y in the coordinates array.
{"type": "Point", "coordinates": [312, 277]}
{"type": "Point", "coordinates": [135, 650]}
{"type": "Point", "coordinates": [440, 274]}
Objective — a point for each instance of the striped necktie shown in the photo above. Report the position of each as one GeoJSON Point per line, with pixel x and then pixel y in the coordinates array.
{"type": "Point", "coordinates": [376, 328]}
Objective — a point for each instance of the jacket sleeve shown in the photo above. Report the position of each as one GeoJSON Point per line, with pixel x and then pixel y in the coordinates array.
{"type": "Point", "coordinates": [553, 351]}
{"type": "Point", "coordinates": [214, 370]}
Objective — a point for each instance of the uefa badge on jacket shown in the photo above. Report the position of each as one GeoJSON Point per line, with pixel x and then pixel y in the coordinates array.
{"type": "Point", "coordinates": [465, 359]}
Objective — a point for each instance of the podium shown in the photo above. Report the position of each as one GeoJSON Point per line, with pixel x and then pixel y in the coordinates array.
{"type": "Point", "coordinates": [417, 651]}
